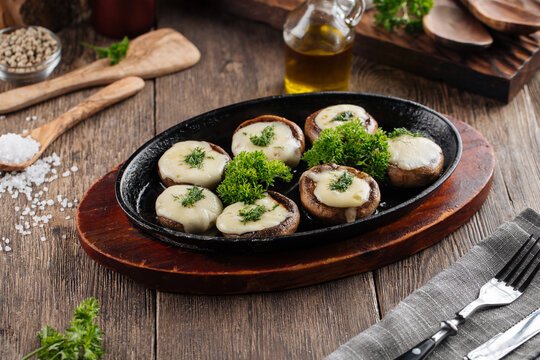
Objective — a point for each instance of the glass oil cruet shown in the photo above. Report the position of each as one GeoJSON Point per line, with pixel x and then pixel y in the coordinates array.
{"type": "Point", "coordinates": [319, 36]}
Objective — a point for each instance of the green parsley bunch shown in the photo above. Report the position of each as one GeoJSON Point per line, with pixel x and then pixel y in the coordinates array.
{"type": "Point", "coordinates": [81, 341]}
{"type": "Point", "coordinates": [350, 145]}
{"type": "Point", "coordinates": [248, 175]}
{"type": "Point", "coordinates": [402, 13]}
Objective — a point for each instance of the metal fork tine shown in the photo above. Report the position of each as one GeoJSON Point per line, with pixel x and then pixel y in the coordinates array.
{"type": "Point", "coordinates": [506, 267]}
{"type": "Point", "coordinates": [529, 279]}
{"type": "Point", "coordinates": [521, 275]}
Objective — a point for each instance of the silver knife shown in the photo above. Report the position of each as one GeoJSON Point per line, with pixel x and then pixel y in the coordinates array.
{"type": "Point", "coordinates": [503, 343]}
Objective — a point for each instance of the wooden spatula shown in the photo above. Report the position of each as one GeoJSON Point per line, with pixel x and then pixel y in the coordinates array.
{"type": "Point", "coordinates": [153, 54]}
{"type": "Point", "coordinates": [49, 132]}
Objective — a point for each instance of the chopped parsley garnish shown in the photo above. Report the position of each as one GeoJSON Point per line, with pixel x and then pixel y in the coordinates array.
{"type": "Point", "coordinates": [194, 194]}
{"type": "Point", "coordinates": [349, 144]}
{"type": "Point", "coordinates": [344, 116]}
{"type": "Point", "coordinates": [265, 138]}
{"type": "Point", "coordinates": [342, 183]}
{"type": "Point", "coordinates": [249, 175]}
{"type": "Point", "coordinates": [253, 213]}
{"type": "Point", "coordinates": [402, 131]}
{"type": "Point", "coordinates": [196, 158]}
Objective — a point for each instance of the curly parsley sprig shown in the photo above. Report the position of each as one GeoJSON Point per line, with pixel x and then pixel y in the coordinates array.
{"type": "Point", "coordinates": [349, 144]}
{"type": "Point", "coordinates": [402, 14]}
{"type": "Point", "coordinates": [249, 175]}
{"type": "Point", "coordinates": [81, 341]}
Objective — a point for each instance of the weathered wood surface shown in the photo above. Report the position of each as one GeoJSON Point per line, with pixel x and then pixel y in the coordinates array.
{"type": "Point", "coordinates": [41, 283]}
{"type": "Point", "coordinates": [498, 72]}
{"type": "Point", "coordinates": [152, 54]}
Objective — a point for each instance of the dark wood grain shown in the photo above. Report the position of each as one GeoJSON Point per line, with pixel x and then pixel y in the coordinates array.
{"type": "Point", "coordinates": [498, 72]}
{"type": "Point", "coordinates": [42, 282]}
{"type": "Point", "coordinates": [511, 16]}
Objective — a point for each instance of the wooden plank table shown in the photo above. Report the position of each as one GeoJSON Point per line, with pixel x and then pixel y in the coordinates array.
{"type": "Point", "coordinates": [42, 282]}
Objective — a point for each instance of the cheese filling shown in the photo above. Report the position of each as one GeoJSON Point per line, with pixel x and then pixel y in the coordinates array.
{"type": "Point", "coordinates": [209, 173]}
{"type": "Point", "coordinates": [356, 195]}
{"type": "Point", "coordinates": [325, 119]}
{"type": "Point", "coordinates": [410, 152]}
{"type": "Point", "coordinates": [282, 145]}
{"type": "Point", "coordinates": [196, 219]}
{"type": "Point", "coordinates": [230, 221]}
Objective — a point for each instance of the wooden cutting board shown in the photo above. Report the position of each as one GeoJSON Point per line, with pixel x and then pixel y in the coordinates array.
{"type": "Point", "coordinates": [107, 236]}
{"type": "Point", "coordinates": [498, 72]}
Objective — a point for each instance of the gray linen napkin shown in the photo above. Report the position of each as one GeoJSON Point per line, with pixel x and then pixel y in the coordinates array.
{"type": "Point", "coordinates": [418, 316]}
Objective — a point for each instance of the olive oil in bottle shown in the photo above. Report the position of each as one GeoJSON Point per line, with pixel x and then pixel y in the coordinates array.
{"type": "Point", "coordinates": [320, 61]}
{"type": "Point", "coordinates": [319, 36]}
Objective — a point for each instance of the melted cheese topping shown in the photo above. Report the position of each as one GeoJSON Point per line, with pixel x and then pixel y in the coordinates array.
{"type": "Point", "coordinates": [172, 165]}
{"type": "Point", "coordinates": [283, 146]}
{"type": "Point", "coordinates": [410, 152]}
{"type": "Point", "coordinates": [324, 118]}
{"type": "Point", "coordinates": [196, 219]}
{"type": "Point", "coordinates": [229, 222]}
{"type": "Point", "coordinates": [356, 195]}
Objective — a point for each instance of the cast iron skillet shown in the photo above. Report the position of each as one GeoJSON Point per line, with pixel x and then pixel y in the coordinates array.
{"type": "Point", "coordinates": [138, 184]}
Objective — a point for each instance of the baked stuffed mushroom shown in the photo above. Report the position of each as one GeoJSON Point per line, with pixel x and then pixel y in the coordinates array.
{"type": "Point", "coordinates": [414, 161]}
{"type": "Point", "coordinates": [333, 116]}
{"type": "Point", "coordinates": [277, 137]}
{"type": "Point", "coordinates": [193, 162]}
{"type": "Point", "coordinates": [188, 208]}
{"type": "Point", "coordinates": [274, 214]}
{"type": "Point", "coordinates": [338, 194]}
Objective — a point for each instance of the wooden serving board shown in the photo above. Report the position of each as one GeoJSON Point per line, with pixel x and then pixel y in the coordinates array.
{"type": "Point", "coordinates": [107, 236]}
{"type": "Point", "coordinates": [498, 72]}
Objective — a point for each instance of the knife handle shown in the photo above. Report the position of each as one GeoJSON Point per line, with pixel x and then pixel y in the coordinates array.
{"type": "Point", "coordinates": [423, 349]}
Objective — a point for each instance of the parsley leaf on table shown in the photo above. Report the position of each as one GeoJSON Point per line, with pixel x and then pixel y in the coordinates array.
{"type": "Point", "coordinates": [402, 13]}
{"type": "Point", "coordinates": [115, 52]}
{"type": "Point", "coordinates": [81, 341]}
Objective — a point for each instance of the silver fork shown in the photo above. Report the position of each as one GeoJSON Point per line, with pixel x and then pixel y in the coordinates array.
{"type": "Point", "coordinates": [504, 288]}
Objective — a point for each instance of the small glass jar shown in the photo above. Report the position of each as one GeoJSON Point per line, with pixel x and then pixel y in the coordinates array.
{"type": "Point", "coordinates": [319, 36]}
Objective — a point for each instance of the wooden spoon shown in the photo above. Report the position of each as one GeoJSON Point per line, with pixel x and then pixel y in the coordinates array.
{"type": "Point", "coordinates": [450, 25]}
{"type": "Point", "coordinates": [49, 132]}
{"type": "Point", "coordinates": [153, 54]}
{"type": "Point", "coordinates": [509, 16]}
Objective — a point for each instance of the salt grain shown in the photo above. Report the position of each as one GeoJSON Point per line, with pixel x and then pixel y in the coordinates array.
{"type": "Point", "coordinates": [74, 169]}
{"type": "Point", "coordinates": [43, 238]}
{"type": "Point", "coordinates": [66, 174]}
{"type": "Point", "coordinates": [15, 149]}
{"type": "Point", "coordinates": [68, 217]}
{"type": "Point", "coordinates": [7, 248]}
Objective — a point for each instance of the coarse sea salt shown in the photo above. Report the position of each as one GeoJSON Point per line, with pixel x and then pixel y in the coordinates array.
{"type": "Point", "coordinates": [15, 149]}
{"type": "Point", "coordinates": [27, 183]}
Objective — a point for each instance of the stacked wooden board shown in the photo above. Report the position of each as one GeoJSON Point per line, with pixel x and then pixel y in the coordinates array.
{"type": "Point", "coordinates": [498, 72]}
